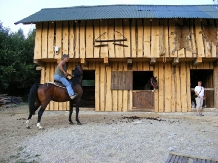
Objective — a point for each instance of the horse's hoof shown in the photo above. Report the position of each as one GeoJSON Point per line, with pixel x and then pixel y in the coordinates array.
{"type": "Point", "coordinates": [71, 123]}
{"type": "Point", "coordinates": [79, 123]}
{"type": "Point", "coordinates": [28, 127]}
{"type": "Point", "coordinates": [41, 128]}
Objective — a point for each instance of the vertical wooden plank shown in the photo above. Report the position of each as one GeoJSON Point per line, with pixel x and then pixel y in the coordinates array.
{"type": "Point", "coordinates": [47, 77]}
{"type": "Point", "coordinates": [188, 54]}
{"type": "Point", "coordinates": [76, 39]}
{"type": "Point", "coordinates": [51, 78]}
{"type": "Point", "coordinates": [147, 38]}
{"type": "Point", "coordinates": [133, 38]}
{"type": "Point", "coordinates": [51, 40]}
{"type": "Point", "coordinates": [160, 107]}
{"type": "Point", "coordinates": [104, 36]}
{"type": "Point", "coordinates": [205, 41]}
{"type": "Point", "coordinates": [188, 88]}
{"type": "Point", "coordinates": [108, 106]}
{"type": "Point", "coordinates": [114, 92]}
{"type": "Point", "coordinates": [89, 39]}
{"type": "Point", "coordinates": [118, 35]}
{"type": "Point", "coordinates": [216, 54]}
{"type": "Point", "coordinates": [166, 37]}
{"type": "Point", "coordinates": [45, 40]}
{"type": "Point", "coordinates": [58, 40]}
{"type": "Point", "coordinates": [156, 93]}
{"type": "Point", "coordinates": [155, 38]}
{"type": "Point", "coordinates": [65, 37]}
{"type": "Point", "coordinates": [38, 42]}
{"type": "Point", "coordinates": [213, 50]}
{"type": "Point", "coordinates": [193, 38]}
{"type": "Point", "coordinates": [145, 66]}
{"type": "Point", "coordinates": [199, 38]}
{"type": "Point", "coordinates": [42, 81]}
{"type": "Point", "coordinates": [125, 93]}
{"type": "Point", "coordinates": [173, 89]}
{"type": "Point", "coordinates": [181, 52]}
{"type": "Point", "coordinates": [178, 90]}
{"type": "Point", "coordinates": [215, 82]}
{"type": "Point", "coordinates": [167, 83]}
{"type": "Point", "coordinates": [111, 36]}
{"type": "Point", "coordinates": [97, 89]}
{"type": "Point", "coordinates": [140, 38]}
{"type": "Point", "coordinates": [140, 68]}
{"type": "Point", "coordinates": [126, 31]}
{"type": "Point", "coordinates": [120, 92]}
{"type": "Point", "coordinates": [171, 37]}
{"type": "Point", "coordinates": [183, 80]}
{"type": "Point", "coordinates": [82, 39]}
{"type": "Point", "coordinates": [71, 39]}
{"type": "Point", "coordinates": [102, 87]}
{"type": "Point", "coordinates": [97, 37]}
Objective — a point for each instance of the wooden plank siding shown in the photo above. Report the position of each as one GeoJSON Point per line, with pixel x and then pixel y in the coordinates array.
{"type": "Point", "coordinates": [141, 40]}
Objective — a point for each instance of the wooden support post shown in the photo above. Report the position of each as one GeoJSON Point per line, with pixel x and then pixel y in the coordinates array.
{"type": "Point", "coordinates": [129, 64]}
{"type": "Point", "coordinates": [106, 61]}
{"type": "Point", "coordinates": [197, 61]}
{"type": "Point", "coordinates": [175, 61]}
{"type": "Point", "coordinates": [152, 61]}
{"type": "Point", "coordinates": [38, 68]}
{"type": "Point", "coordinates": [38, 62]}
{"type": "Point", "coordinates": [215, 63]}
{"type": "Point", "coordinates": [83, 62]}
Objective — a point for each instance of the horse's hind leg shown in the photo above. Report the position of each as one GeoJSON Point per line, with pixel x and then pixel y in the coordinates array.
{"type": "Point", "coordinates": [30, 114]}
{"type": "Point", "coordinates": [77, 113]}
{"type": "Point", "coordinates": [41, 110]}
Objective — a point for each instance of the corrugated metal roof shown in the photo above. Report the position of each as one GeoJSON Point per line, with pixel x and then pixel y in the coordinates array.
{"type": "Point", "coordinates": [122, 11]}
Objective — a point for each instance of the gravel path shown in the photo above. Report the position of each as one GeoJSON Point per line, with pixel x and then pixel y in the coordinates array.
{"type": "Point", "coordinates": [123, 138]}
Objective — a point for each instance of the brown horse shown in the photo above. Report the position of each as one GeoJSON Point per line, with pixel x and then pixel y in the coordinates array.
{"type": "Point", "coordinates": [151, 84]}
{"type": "Point", "coordinates": [42, 94]}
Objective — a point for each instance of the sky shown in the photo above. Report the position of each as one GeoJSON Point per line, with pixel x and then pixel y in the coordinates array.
{"type": "Point", "coordinates": [12, 11]}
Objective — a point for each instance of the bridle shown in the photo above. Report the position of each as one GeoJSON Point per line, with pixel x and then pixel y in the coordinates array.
{"type": "Point", "coordinates": [154, 86]}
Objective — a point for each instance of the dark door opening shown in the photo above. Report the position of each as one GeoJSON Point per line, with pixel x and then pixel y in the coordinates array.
{"type": "Point", "coordinates": [206, 76]}
{"type": "Point", "coordinates": [88, 84]}
{"type": "Point", "coordinates": [140, 78]}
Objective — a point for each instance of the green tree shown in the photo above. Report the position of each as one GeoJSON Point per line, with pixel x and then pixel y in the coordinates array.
{"type": "Point", "coordinates": [17, 71]}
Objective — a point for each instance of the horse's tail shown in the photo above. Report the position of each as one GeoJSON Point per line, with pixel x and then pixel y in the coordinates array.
{"type": "Point", "coordinates": [32, 98]}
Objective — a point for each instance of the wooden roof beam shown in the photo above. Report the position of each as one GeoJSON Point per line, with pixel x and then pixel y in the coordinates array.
{"type": "Point", "coordinates": [197, 61]}
{"type": "Point", "coordinates": [83, 62]}
{"type": "Point", "coordinates": [175, 61]}
{"type": "Point", "coordinates": [39, 68]}
{"type": "Point", "coordinates": [106, 61]}
{"type": "Point", "coordinates": [38, 62]}
{"type": "Point", "coordinates": [153, 61]}
{"type": "Point", "coordinates": [215, 63]}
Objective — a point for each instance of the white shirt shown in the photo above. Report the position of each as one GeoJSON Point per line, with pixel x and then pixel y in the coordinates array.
{"type": "Point", "coordinates": [201, 90]}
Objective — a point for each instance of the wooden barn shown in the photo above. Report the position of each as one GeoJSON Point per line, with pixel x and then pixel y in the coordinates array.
{"type": "Point", "coordinates": [121, 46]}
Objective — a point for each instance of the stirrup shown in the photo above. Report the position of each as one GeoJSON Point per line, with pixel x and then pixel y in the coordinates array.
{"type": "Point", "coordinates": [74, 96]}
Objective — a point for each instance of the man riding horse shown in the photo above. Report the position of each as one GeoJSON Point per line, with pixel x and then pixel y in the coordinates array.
{"type": "Point", "coordinates": [61, 74]}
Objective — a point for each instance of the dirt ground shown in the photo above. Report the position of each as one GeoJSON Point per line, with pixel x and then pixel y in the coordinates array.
{"type": "Point", "coordinates": [13, 128]}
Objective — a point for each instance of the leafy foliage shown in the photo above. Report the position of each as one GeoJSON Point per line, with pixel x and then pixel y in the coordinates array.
{"type": "Point", "coordinates": [17, 70]}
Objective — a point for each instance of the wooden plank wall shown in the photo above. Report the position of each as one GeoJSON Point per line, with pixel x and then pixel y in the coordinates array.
{"type": "Point", "coordinates": [143, 38]}
{"type": "Point", "coordinates": [173, 94]}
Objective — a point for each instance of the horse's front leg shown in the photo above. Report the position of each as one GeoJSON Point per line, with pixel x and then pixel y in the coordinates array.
{"type": "Point", "coordinates": [70, 114]}
{"type": "Point", "coordinates": [77, 113]}
{"type": "Point", "coordinates": [41, 110]}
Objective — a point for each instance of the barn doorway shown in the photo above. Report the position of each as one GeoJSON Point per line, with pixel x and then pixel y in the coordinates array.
{"type": "Point", "coordinates": [88, 84]}
{"type": "Point", "coordinates": [142, 100]}
{"type": "Point", "coordinates": [206, 76]}
{"type": "Point", "coordinates": [140, 78]}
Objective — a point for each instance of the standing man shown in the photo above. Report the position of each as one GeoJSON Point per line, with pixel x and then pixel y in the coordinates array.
{"type": "Point", "coordinates": [61, 74]}
{"type": "Point", "coordinates": [199, 98]}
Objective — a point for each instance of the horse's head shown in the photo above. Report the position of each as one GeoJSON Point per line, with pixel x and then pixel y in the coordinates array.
{"type": "Point", "coordinates": [78, 72]}
{"type": "Point", "coordinates": [154, 83]}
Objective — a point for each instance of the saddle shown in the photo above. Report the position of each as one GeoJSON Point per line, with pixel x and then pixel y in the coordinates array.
{"type": "Point", "coordinates": [60, 84]}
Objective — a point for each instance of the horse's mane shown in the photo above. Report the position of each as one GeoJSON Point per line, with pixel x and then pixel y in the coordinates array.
{"type": "Point", "coordinates": [77, 76]}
